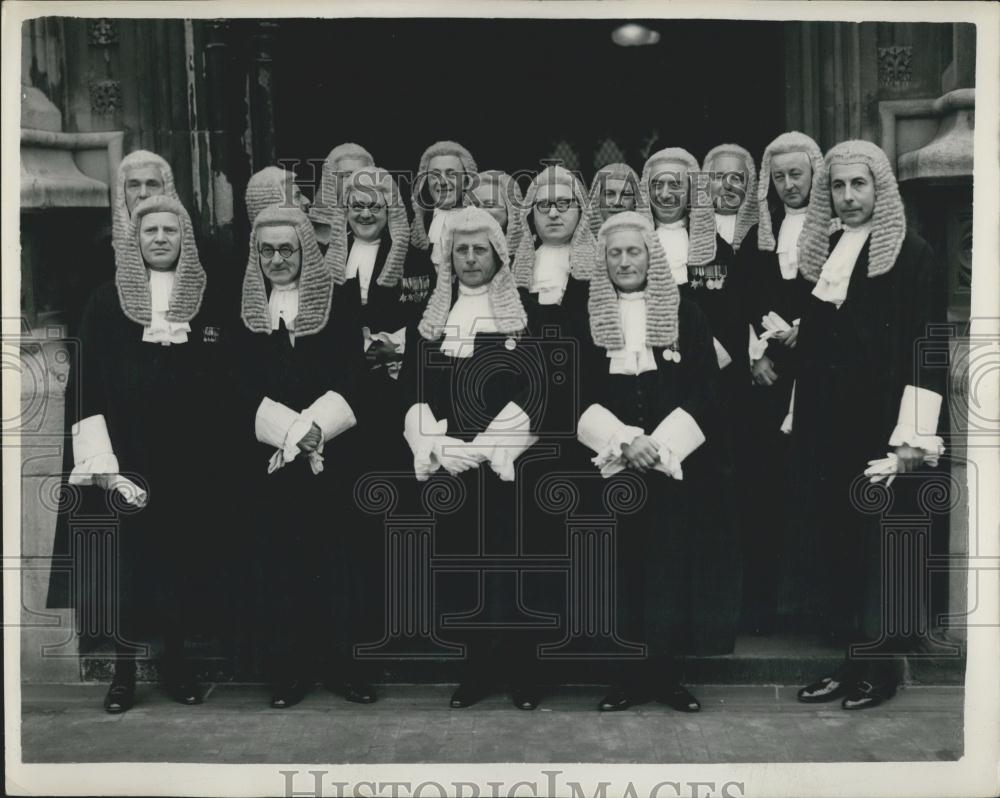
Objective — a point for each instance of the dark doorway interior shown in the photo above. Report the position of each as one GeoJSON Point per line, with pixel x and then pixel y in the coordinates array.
{"type": "Point", "coordinates": [511, 89]}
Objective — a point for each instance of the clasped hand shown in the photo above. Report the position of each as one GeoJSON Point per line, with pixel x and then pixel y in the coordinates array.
{"type": "Point", "coordinates": [642, 454]}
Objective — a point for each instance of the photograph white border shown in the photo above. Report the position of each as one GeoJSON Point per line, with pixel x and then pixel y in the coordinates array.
{"type": "Point", "coordinates": [975, 774]}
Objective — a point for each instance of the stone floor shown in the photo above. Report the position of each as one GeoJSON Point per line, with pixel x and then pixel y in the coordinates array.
{"type": "Point", "coordinates": [65, 723]}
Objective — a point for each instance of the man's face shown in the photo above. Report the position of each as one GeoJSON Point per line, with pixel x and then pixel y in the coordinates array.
{"type": "Point", "coordinates": [280, 269]}
{"type": "Point", "coordinates": [487, 195]}
{"type": "Point", "coordinates": [627, 260]}
{"type": "Point", "coordinates": [474, 259]}
{"type": "Point", "coordinates": [367, 214]}
{"type": "Point", "coordinates": [556, 213]}
{"type": "Point", "coordinates": [617, 195]}
{"type": "Point", "coordinates": [668, 190]}
{"type": "Point", "coordinates": [140, 183]}
{"type": "Point", "coordinates": [160, 240]}
{"type": "Point", "coordinates": [791, 174]}
{"type": "Point", "coordinates": [852, 189]}
{"type": "Point", "coordinates": [445, 174]}
{"type": "Point", "coordinates": [729, 180]}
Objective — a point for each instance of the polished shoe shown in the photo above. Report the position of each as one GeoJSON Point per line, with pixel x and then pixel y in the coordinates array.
{"type": "Point", "coordinates": [526, 696]}
{"type": "Point", "coordinates": [467, 694]}
{"type": "Point", "coordinates": [288, 694]}
{"type": "Point", "coordinates": [678, 697]}
{"type": "Point", "coordinates": [618, 699]}
{"type": "Point", "coordinates": [358, 692]}
{"type": "Point", "coordinates": [829, 688]}
{"type": "Point", "coordinates": [187, 692]}
{"type": "Point", "coordinates": [120, 696]}
{"type": "Point", "coordinates": [865, 695]}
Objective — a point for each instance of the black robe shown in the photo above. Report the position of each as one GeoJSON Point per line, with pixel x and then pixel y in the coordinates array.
{"type": "Point", "coordinates": [767, 406]}
{"type": "Point", "coordinates": [133, 574]}
{"type": "Point", "coordinates": [676, 568]}
{"type": "Point", "coordinates": [298, 527]}
{"type": "Point", "coordinates": [854, 365]}
{"type": "Point", "coordinates": [478, 606]}
{"type": "Point", "coordinates": [384, 453]}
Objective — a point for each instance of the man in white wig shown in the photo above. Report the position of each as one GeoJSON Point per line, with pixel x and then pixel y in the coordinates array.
{"type": "Point", "coordinates": [142, 398]}
{"type": "Point", "coordinates": [866, 407]}
{"type": "Point", "coordinates": [470, 381]}
{"type": "Point", "coordinates": [650, 393]}
{"type": "Point", "coordinates": [296, 364]}
{"type": "Point", "coordinates": [615, 188]}
{"type": "Point", "coordinates": [339, 165]}
{"type": "Point", "coordinates": [788, 168]}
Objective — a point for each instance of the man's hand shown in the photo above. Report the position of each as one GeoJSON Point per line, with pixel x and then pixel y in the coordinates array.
{"type": "Point", "coordinates": [789, 337]}
{"type": "Point", "coordinates": [908, 459]}
{"type": "Point", "coordinates": [641, 454]}
{"type": "Point", "coordinates": [311, 439]}
{"type": "Point", "coordinates": [457, 456]}
{"type": "Point", "coordinates": [382, 353]}
{"type": "Point", "coordinates": [763, 371]}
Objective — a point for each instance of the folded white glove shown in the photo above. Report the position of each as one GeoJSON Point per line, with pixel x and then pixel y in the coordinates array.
{"type": "Point", "coordinates": [773, 323]}
{"type": "Point", "coordinates": [129, 491]}
{"type": "Point", "coordinates": [887, 467]}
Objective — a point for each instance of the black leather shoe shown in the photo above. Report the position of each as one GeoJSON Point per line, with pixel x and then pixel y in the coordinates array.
{"type": "Point", "coordinates": [467, 694]}
{"type": "Point", "coordinates": [829, 688]}
{"type": "Point", "coordinates": [865, 695]}
{"type": "Point", "coordinates": [678, 697]}
{"type": "Point", "coordinates": [526, 696]}
{"type": "Point", "coordinates": [188, 692]}
{"type": "Point", "coordinates": [288, 694]}
{"type": "Point", "coordinates": [618, 699]}
{"type": "Point", "coordinates": [358, 692]}
{"type": "Point", "coordinates": [120, 697]}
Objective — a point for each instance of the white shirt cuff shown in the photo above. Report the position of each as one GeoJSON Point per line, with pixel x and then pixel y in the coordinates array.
{"type": "Point", "coordinates": [279, 426]}
{"type": "Point", "coordinates": [916, 425]}
{"type": "Point", "coordinates": [603, 433]}
{"type": "Point", "coordinates": [331, 413]}
{"type": "Point", "coordinates": [92, 450]}
{"type": "Point", "coordinates": [680, 435]}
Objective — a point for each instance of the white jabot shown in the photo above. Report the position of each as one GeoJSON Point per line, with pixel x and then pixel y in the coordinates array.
{"type": "Point", "coordinates": [674, 239]}
{"type": "Point", "coordinates": [835, 277]}
{"type": "Point", "coordinates": [636, 356]}
{"type": "Point", "coordinates": [551, 273]}
{"type": "Point", "coordinates": [435, 232]}
{"type": "Point", "coordinates": [788, 240]}
{"type": "Point", "coordinates": [284, 305]}
{"type": "Point", "coordinates": [361, 264]}
{"type": "Point", "coordinates": [725, 226]}
{"type": "Point", "coordinates": [470, 314]}
{"type": "Point", "coordinates": [159, 330]}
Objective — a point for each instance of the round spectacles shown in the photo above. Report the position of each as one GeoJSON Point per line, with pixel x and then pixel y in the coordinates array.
{"type": "Point", "coordinates": [285, 250]}
{"type": "Point", "coordinates": [561, 205]}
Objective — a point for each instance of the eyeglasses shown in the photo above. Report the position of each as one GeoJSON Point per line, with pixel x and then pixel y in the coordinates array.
{"type": "Point", "coordinates": [561, 205]}
{"type": "Point", "coordinates": [285, 250]}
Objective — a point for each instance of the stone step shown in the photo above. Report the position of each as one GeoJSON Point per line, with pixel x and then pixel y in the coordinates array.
{"type": "Point", "coordinates": [774, 659]}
